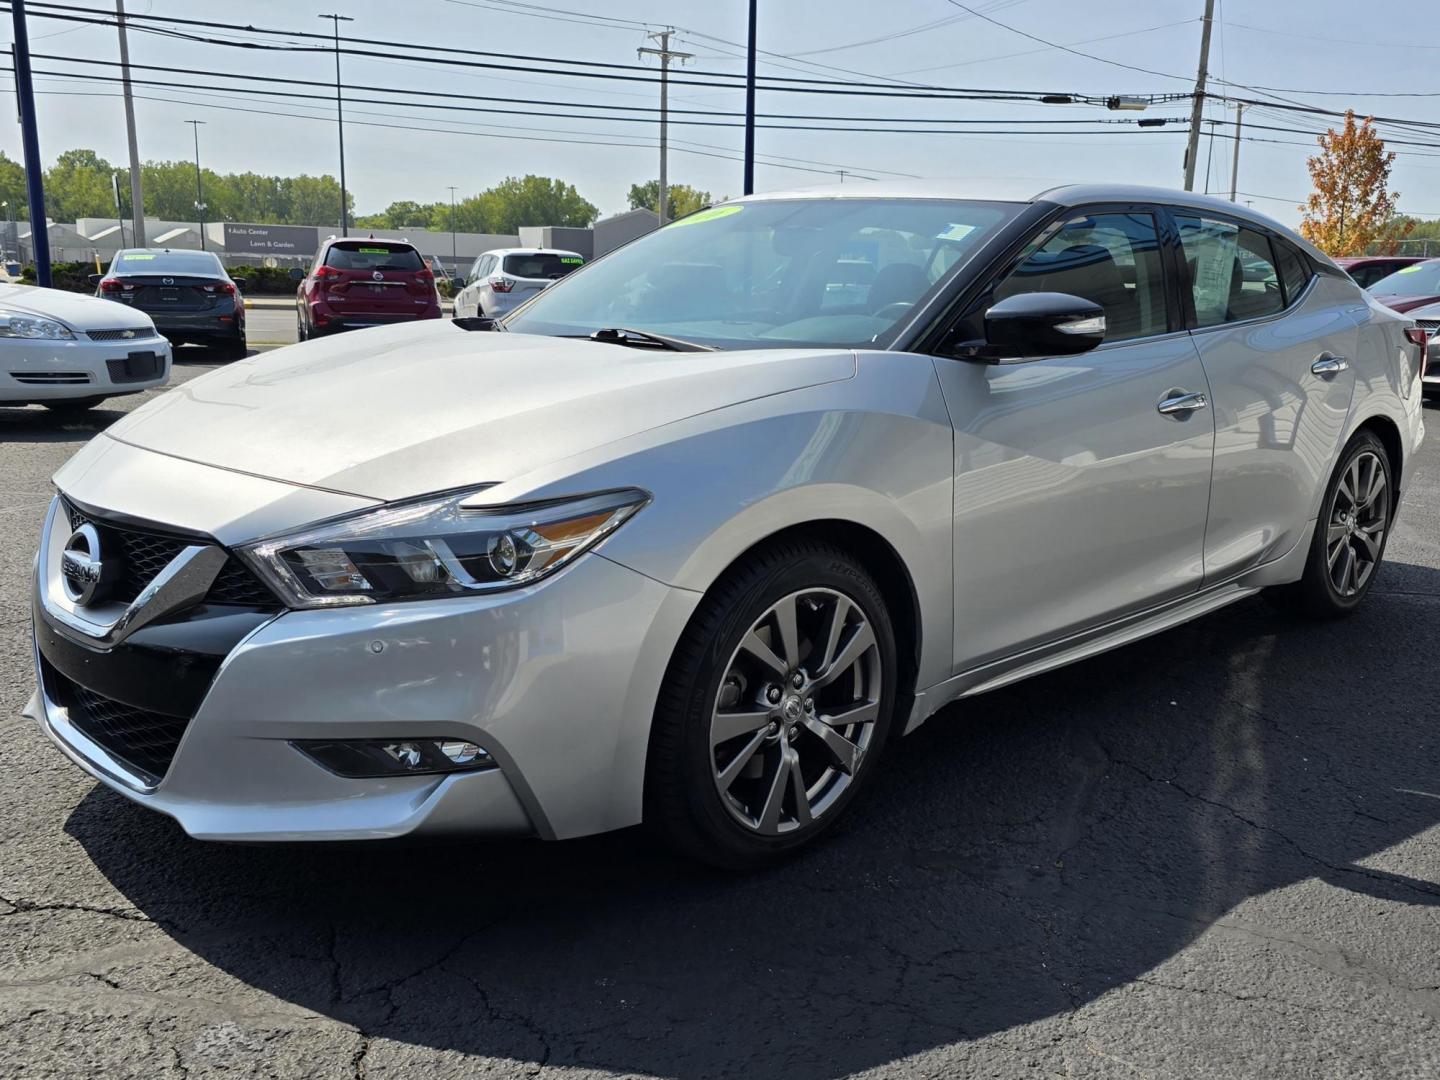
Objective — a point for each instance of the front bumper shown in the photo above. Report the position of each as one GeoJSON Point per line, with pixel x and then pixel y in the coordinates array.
{"type": "Point", "coordinates": [557, 682]}
{"type": "Point", "coordinates": [36, 371]}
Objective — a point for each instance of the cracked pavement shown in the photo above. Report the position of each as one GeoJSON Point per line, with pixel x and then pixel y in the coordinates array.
{"type": "Point", "coordinates": [1210, 854]}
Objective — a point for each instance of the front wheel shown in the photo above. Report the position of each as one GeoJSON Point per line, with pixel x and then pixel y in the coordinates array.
{"type": "Point", "coordinates": [72, 405]}
{"type": "Point", "coordinates": [1350, 534]}
{"type": "Point", "coordinates": [775, 707]}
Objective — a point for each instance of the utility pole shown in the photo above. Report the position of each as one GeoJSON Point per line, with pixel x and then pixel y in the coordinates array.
{"type": "Point", "coordinates": [1197, 107]}
{"type": "Point", "coordinates": [335, 21]}
{"type": "Point", "coordinates": [199, 193]}
{"type": "Point", "coordinates": [1235, 157]}
{"type": "Point", "coordinates": [30, 137]}
{"type": "Point", "coordinates": [137, 199]}
{"type": "Point", "coordinates": [749, 185]}
{"type": "Point", "coordinates": [665, 54]}
{"type": "Point", "coordinates": [453, 257]}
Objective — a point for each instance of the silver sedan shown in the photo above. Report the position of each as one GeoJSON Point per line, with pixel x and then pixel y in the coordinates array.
{"type": "Point", "coordinates": [695, 534]}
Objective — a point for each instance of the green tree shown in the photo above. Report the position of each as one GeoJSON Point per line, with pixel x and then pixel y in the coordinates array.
{"type": "Point", "coordinates": [12, 189]}
{"type": "Point", "coordinates": [404, 214]}
{"type": "Point", "coordinates": [683, 198]}
{"type": "Point", "coordinates": [531, 200]}
{"type": "Point", "coordinates": [78, 185]}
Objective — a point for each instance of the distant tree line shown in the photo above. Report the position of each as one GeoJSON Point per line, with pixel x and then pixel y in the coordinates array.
{"type": "Point", "coordinates": [81, 184]}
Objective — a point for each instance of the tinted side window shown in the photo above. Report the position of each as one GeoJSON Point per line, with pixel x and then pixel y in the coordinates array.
{"type": "Point", "coordinates": [1110, 259]}
{"type": "Point", "coordinates": [1232, 271]}
{"type": "Point", "coordinates": [1295, 272]}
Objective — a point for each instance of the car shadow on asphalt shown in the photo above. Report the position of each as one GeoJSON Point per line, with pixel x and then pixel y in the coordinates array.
{"type": "Point", "coordinates": [1022, 854]}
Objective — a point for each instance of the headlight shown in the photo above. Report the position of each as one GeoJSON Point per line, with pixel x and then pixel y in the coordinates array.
{"type": "Point", "coordinates": [435, 547]}
{"type": "Point", "coordinates": [17, 324]}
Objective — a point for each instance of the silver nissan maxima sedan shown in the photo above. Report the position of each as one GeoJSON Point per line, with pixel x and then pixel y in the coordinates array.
{"type": "Point", "coordinates": [691, 537]}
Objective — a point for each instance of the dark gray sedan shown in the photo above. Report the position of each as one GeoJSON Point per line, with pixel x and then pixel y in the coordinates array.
{"type": "Point", "coordinates": [188, 294]}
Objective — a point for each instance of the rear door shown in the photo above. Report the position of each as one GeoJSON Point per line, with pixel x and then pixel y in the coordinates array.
{"type": "Point", "coordinates": [376, 277]}
{"type": "Point", "coordinates": [1277, 341]}
{"type": "Point", "coordinates": [533, 271]}
{"type": "Point", "coordinates": [1077, 501]}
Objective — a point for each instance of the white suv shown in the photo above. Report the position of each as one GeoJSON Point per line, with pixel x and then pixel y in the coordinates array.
{"type": "Point", "coordinates": [500, 281]}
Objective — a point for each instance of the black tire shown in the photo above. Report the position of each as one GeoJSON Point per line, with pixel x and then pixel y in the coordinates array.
{"type": "Point", "coordinates": [235, 349]}
{"type": "Point", "coordinates": [72, 405]}
{"type": "Point", "coordinates": [301, 334]}
{"type": "Point", "coordinates": [1316, 595]}
{"type": "Point", "coordinates": [683, 804]}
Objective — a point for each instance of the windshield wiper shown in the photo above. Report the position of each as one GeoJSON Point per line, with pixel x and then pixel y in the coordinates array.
{"type": "Point", "coordinates": [643, 339]}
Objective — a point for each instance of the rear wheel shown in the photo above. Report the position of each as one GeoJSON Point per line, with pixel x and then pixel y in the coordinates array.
{"type": "Point", "coordinates": [72, 405]}
{"type": "Point", "coordinates": [775, 708]}
{"type": "Point", "coordinates": [235, 348]}
{"type": "Point", "coordinates": [1350, 534]}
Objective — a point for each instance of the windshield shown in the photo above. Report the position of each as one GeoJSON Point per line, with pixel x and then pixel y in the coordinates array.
{"type": "Point", "coordinates": [1418, 279]}
{"type": "Point", "coordinates": [167, 262]}
{"type": "Point", "coordinates": [832, 272]}
{"type": "Point", "coordinates": [370, 255]}
{"type": "Point", "coordinates": [541, 264]}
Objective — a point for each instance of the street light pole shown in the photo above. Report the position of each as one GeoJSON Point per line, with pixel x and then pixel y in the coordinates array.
{"type": "Point", "coordinates": [1235, 157]}
{"type": "Point", "coordinates": [30, 138]}
{"type": "Point", "coordinates": [199, 191]}
{"type": "Point", "coordinates": [749, 184]}
{"type": "Point", "coordinates": [137, 199]}
{"type": "Point", "coordinates": [335, 21]}
{"type": "Point", "coordinates": [452, 223]}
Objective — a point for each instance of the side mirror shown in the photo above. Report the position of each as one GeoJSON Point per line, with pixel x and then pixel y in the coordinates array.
{"type": "Point", "coordinates": [296, 274]}
{"type": "Point", "coordinates": [1032, 325]}
{"type": "Point", "coordinates": [95, 278]}
{"type": "Point", "coordinates": [460, 281]}
{"type": "Point", "coordinates": [241, 283]}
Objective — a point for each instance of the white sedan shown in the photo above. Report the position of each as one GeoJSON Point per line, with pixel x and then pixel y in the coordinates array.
{"type": "Point", "coordinates": [70, 352]}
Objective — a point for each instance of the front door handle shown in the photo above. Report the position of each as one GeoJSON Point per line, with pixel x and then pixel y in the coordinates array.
{"type": "Point", "coordinates": [1328, 365]}
{"type": "Point", "coordinates": [1180, 404]}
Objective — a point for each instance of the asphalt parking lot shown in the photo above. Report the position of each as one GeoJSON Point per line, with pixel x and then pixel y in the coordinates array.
{"type": "Point", "coordinates": [1212, 854]}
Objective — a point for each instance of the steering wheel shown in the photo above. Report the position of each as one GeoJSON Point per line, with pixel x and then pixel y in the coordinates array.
{"type": "Point", "coordinates": [893, 311]}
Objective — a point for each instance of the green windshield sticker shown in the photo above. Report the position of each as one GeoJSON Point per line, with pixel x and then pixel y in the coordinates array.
{"type": "Point", "coordinates": [136, 258]}
{"type": "Point", "coordinates": [375, 251]}
{"type": "Point", "coordinates": [713, 214]}
{"type": "Point", "coordinates": [955, 232]}
{"type": "Point", "coordinates": [572, 260]}
{"type": "Point", "coordinates": [1409, 269]}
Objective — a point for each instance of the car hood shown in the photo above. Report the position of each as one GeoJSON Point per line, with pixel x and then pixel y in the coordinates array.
{"type": "Point", "coordinates": [1402, 302]}
{"type": "Point", "coordinates": [76, 310]}
{"type": "Point", "coordinates": [398, 411]}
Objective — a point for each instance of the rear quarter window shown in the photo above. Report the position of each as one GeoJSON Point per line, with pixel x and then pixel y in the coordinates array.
{"type": "Point", "coordinates": [1295, 270]}
{"type": "Point", "coordinates": [370, 255]}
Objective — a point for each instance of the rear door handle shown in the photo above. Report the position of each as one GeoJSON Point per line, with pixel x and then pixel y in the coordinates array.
{"type": "Point", "coordinates": [1330, 365]}
{"type": "Point", "coordinates": [1180, 405]}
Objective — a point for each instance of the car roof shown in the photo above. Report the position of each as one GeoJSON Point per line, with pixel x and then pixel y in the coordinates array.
{"type": "Point", "coordinates": [1061, 195]}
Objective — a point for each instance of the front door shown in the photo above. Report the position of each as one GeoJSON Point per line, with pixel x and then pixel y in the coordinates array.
{"type": "Point", "coordinates": [1077, 501]}
{"type": "Point", "coordinates": [1278, 345]}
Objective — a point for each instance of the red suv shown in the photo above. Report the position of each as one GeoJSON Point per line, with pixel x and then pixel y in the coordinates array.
{"type": "Point", "coordinates": [355, 283]}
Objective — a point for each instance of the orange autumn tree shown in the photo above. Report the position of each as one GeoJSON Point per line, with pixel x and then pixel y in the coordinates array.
{"type": "Point", "coordinates": [1352, 209]}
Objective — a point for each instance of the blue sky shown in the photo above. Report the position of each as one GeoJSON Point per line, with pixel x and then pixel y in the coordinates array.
{"type": "Point", "coordinates": [1311, 52]}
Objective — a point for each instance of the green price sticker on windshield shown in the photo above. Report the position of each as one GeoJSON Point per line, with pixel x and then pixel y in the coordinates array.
{"type": "Point", "coordinates": [1408, 269]}
{"type": "Point", "coordinates": [572, 260]}
{"type": "Point", "coordinates": [713, 214]}
{"type": "Point", "coordinates": [374, 251]}
{"type": "Point", "coordinates": [138, 258]}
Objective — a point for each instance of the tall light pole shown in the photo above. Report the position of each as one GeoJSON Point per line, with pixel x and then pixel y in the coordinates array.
{"type": "Point", "coordinates": [1197, 107]}
{"type": "Point", "coordinates": [1235, 157]}
{"type": "Point", "coordinates": [30, 138]}
{"type": "Point", "coordinates": [137, 199]}
{"type": "Point", "coordinates": [335, 21]}
{"type": "Point", "coordinates": [665, 54]}
{"type": "Point", "coordinates": [199, 191]}
{"type": "Point", "coordinates": [749, 184]}
{"type": "Point", "coordinates": [452, 223]}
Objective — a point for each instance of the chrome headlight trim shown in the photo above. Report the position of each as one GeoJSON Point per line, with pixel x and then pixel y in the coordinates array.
{"type": "Point", "coordinates": [435, 546]}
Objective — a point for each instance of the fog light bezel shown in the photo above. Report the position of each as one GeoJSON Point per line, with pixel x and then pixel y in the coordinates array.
{"type": "Point", "coordinates": [369, 759]}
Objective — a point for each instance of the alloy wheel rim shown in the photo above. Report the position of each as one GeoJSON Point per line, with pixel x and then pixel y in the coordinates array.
{"type": "Point", "coordinates": [1359, 515]}
{"type": "Point", "coordinates": [795, 712]}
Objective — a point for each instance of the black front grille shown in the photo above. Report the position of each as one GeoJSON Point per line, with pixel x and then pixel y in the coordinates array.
{"type": "Point", "coordinates": [145, 741]}
{"type": "Point", "coordinates": [137, 367]}
{"type": "Point", "coordinates": [146, 554]}
{"type": "Point", "coordinates": [116, 335]}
